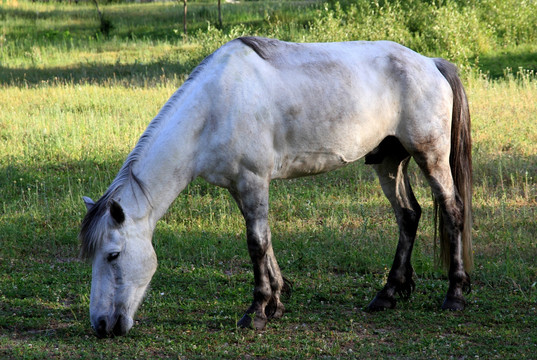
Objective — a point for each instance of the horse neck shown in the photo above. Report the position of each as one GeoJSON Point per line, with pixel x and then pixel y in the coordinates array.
{"type": "Point", "coordinates": [167, 164]}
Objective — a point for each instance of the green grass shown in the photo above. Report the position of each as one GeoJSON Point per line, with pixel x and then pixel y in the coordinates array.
{"type": "Point", "coordinates": [74, 103]}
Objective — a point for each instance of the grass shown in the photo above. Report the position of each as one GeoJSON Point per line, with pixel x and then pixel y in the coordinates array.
{"type": "Point", "coordinates": [73, 104]}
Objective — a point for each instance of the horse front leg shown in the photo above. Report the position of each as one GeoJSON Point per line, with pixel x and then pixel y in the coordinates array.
{"type": "Point", "coordinates": [268, 282]}
{"type": "Point", "coordinates": [252, 199]}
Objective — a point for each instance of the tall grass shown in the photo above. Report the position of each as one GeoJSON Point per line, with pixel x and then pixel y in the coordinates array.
{"type": "Point", "coordinates": [505, 152]}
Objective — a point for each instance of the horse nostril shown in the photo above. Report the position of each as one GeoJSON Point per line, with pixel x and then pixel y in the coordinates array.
{"type": "Point", "coordinates": [101, 328]}
{"type": "Point", "coordinates": [118, 327]}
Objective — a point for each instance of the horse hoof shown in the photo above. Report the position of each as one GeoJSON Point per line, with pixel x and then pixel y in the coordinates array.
{"type": "Point", "coordinates": [260, 322]}
{"type": "Point", "coordinates": [249, 321]}
{"type": "Point", "coordinates": [245, 322]}
{"type": "Point", "coordinates": [453, 303]}
{"type": "Point", "coordinates": [381, 303]}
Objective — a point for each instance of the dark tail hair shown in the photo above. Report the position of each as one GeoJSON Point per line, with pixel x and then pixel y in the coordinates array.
{"type": "Point", "coordinates": [460, 160]}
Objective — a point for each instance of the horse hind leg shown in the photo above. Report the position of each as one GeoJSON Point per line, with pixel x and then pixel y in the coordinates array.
{"type": "Point", "coordinates": [435, 165]}
{"type": "Point", "coordinates": [252, 198]}
{"type": "Point", "coordinates": [390, 162]}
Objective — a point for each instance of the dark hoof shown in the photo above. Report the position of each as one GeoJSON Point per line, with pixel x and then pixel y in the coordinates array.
{"type": "Point", "coordinates": [453, 303]}
{"type": "Point", "coordinates": [249, 321]}
{"type": "Point", "coordinates": [245, 322]}
{"type": "Point", "coordinates": [381, 303]}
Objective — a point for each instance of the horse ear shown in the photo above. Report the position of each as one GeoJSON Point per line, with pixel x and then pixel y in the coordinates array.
{"type": "Point", "coordinates": [89, 203]}
{"type": "Point", "coordinates": [117, 212]}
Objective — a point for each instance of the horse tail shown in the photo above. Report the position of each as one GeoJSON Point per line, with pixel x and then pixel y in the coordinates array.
{"type": "Point", "coordinates": [460, 160]}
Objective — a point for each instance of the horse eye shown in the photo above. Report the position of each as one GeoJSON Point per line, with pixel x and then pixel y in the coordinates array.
{"type": "Point", "coordinates": [112, 256]}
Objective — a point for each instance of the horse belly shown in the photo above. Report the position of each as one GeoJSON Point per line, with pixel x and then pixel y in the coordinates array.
{"type": "Point", "coordinates": [326, 137]}
{"type": "Point", "coordinates": [310, 146]}
{"type": "Point", "coordinates": [307, 163]}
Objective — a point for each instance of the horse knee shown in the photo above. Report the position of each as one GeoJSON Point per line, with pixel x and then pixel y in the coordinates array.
{"type": "Point", "coordinates": [258, 239]}
{"type": "Point", "coordinates": [257, 246]}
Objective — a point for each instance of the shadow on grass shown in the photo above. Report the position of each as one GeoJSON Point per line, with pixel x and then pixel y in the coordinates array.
{"type": "Point", "coordinates": [495, 65]}
{"type": "Point", "coordinates": [504, 171]}
{"type": "Point", "coordinates": [132, 75]}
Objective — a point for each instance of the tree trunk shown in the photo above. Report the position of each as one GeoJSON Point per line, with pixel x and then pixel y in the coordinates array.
{"type": "Point", "coordinates": [184, 18]}
{"type": "Point", "coordinates": [219, 14]}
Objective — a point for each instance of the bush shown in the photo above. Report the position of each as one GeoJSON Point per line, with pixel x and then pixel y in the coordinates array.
{"type": "Point", "coordinates": [451, 30]}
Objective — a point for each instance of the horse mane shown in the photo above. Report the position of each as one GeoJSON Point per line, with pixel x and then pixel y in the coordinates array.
{"type": "Point", "coordinates": [262, 46]}
{"type": "Point", "coordinates": [92, 228]}
{"type": "Point", "coordinates": [271, 50]}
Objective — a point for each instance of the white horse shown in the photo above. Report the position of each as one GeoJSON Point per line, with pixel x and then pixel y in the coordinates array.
{"type": "Point", "coordinates": [260, 109]}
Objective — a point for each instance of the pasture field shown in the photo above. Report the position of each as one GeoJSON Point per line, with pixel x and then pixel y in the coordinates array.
{"type": "Point", "coordinates": [73, 103]}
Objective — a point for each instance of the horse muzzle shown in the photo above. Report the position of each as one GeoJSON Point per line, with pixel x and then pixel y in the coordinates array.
{"type": "Point", "coordinates": [105, 326]}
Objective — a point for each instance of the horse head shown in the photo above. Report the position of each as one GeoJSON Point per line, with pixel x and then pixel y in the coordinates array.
{"type": "Point", "coordinates": [123, 263]}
